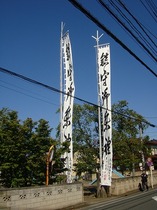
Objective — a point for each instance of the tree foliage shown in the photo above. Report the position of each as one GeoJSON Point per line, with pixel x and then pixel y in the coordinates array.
{"type": "Point", "coordinates": [85, 138]}
{"type": "Point", "coordinates": [23, 151]}
{"type": "Point", "coordinates": [127, 145]}
{"type": "Point", "coordinates": [24, 144]}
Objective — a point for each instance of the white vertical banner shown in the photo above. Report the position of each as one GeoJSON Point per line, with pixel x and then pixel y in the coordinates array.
{"type": "Point", "coordinates": [104, 74]}
{"type": "Point", "coordinates": [69, 89]}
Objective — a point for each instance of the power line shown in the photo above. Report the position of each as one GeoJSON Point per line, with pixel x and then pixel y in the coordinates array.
{"type": "Point", "coordinates": [100, 25]}
{"type": "Point", "coordinates": [148, 11]}
{"type": "Point", "coordinates": [126, 28]}
{"type": "Point", "coordinates": [149, 30]}
{"type": "Point", "coordinates": [77, 98]}
{"type": "Point", "coordinates": [28, 95]}
{"type": "Point", "coordinates": [41, 84]}
{"type": "Point", "coordinates": [151, 6]}
{"type": "Point", "coordinates": [137, 21]}
{"type": "Point", "coordinates": [154, 6]}
{"type": "Point", "coordinates": [121, 4]}
{"type": "Point", "coordinates": [24, 89]}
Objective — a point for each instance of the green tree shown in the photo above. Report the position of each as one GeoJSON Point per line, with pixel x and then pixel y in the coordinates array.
{"type": "Point", "coordinates": [26, 151]}
{"type": "Point", "coordinates": [24, 148]}
{"type": "Point", "coordinates": [127, 145]}
{"type": "Point", "coordinates": [9, 150]}
{"type": "Point", "coordinates": [39, 145]}
{"type": "Point", "coordinates": [85, 138]}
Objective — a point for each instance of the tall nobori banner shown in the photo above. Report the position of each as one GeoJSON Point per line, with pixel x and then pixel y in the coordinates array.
{"type": "Point", "coordinates": [69, 89]}
{"type": "Point", "coordinates": [104, 76]}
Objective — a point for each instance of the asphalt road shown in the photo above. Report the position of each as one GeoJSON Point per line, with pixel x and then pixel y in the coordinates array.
{"type": "Point", "coordinates": [139, 201]}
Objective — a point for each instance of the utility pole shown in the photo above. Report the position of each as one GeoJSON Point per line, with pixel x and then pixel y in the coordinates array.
{"type": "Point", "coordinates": [142, 154]}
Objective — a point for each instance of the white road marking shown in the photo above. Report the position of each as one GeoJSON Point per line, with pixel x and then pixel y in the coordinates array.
{"type": "Point", "coordinates": [155, 198]}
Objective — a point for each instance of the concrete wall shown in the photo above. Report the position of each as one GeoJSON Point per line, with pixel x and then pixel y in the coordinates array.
{"type": "Point", "coordinates": [50, 197]}
{"type": "Point", "coordinates": [123, 185]}
{"type": "Point", "coordinates": [60, 196]}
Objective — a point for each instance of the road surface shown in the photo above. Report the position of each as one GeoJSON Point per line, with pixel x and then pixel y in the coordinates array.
{"type": "Point", "coordinates": [139, 201]}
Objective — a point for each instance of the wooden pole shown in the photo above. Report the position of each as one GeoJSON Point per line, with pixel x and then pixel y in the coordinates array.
{"type": "Point", "coordinates": [48, 160]}
{"type": "Point", "coordinates": [47, 171]}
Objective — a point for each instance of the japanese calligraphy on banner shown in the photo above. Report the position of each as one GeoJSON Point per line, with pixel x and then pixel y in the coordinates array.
{"type": "Point", "coordinates": [69, 89]}
{"type": "Point", "coordinates": [105, 102]}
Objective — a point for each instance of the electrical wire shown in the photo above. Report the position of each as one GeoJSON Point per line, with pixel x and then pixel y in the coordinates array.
{"type": "Point", "coordinates": [28, 95]}
{"type": "Point", "coordinates": [100, 25]}
{"type": "Point", "coordinates": [154, 6]}
{"type": "Point", "coordinates": [151, 6]}
{"type": "Point", "coordinates": [148, 11]}
{"type": "Point", "coordinates": [148, 41]}
{"type": "Point", "coordinates": [153, 35]}
{"type": "Point", "coordinates": [77, 98]}
{"type": "Point", "coordinates": [137, 21]}
{"type": "Point", "coordinates": [41, 84]}
{"type": "Point", "coordinates": [119, 21]}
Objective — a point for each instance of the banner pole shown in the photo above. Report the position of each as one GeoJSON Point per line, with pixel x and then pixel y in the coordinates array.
{"type": "Point", "coordinates": [61, 81]}
{"type": "Point", "coordinates": [97, 38]}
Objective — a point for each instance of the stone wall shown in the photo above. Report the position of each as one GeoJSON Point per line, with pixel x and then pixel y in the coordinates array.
{"type": "Point", "coordinates": [45, 197]}
{"type": "Point", "coordinates": [123, 185]}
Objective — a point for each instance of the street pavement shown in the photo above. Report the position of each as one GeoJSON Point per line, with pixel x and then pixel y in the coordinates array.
{"type": "Point", "coordinates": [134, 201]}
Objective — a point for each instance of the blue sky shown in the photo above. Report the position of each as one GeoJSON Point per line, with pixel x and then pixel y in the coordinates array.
{"type": "Point", "coordinates": [30, 45]}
